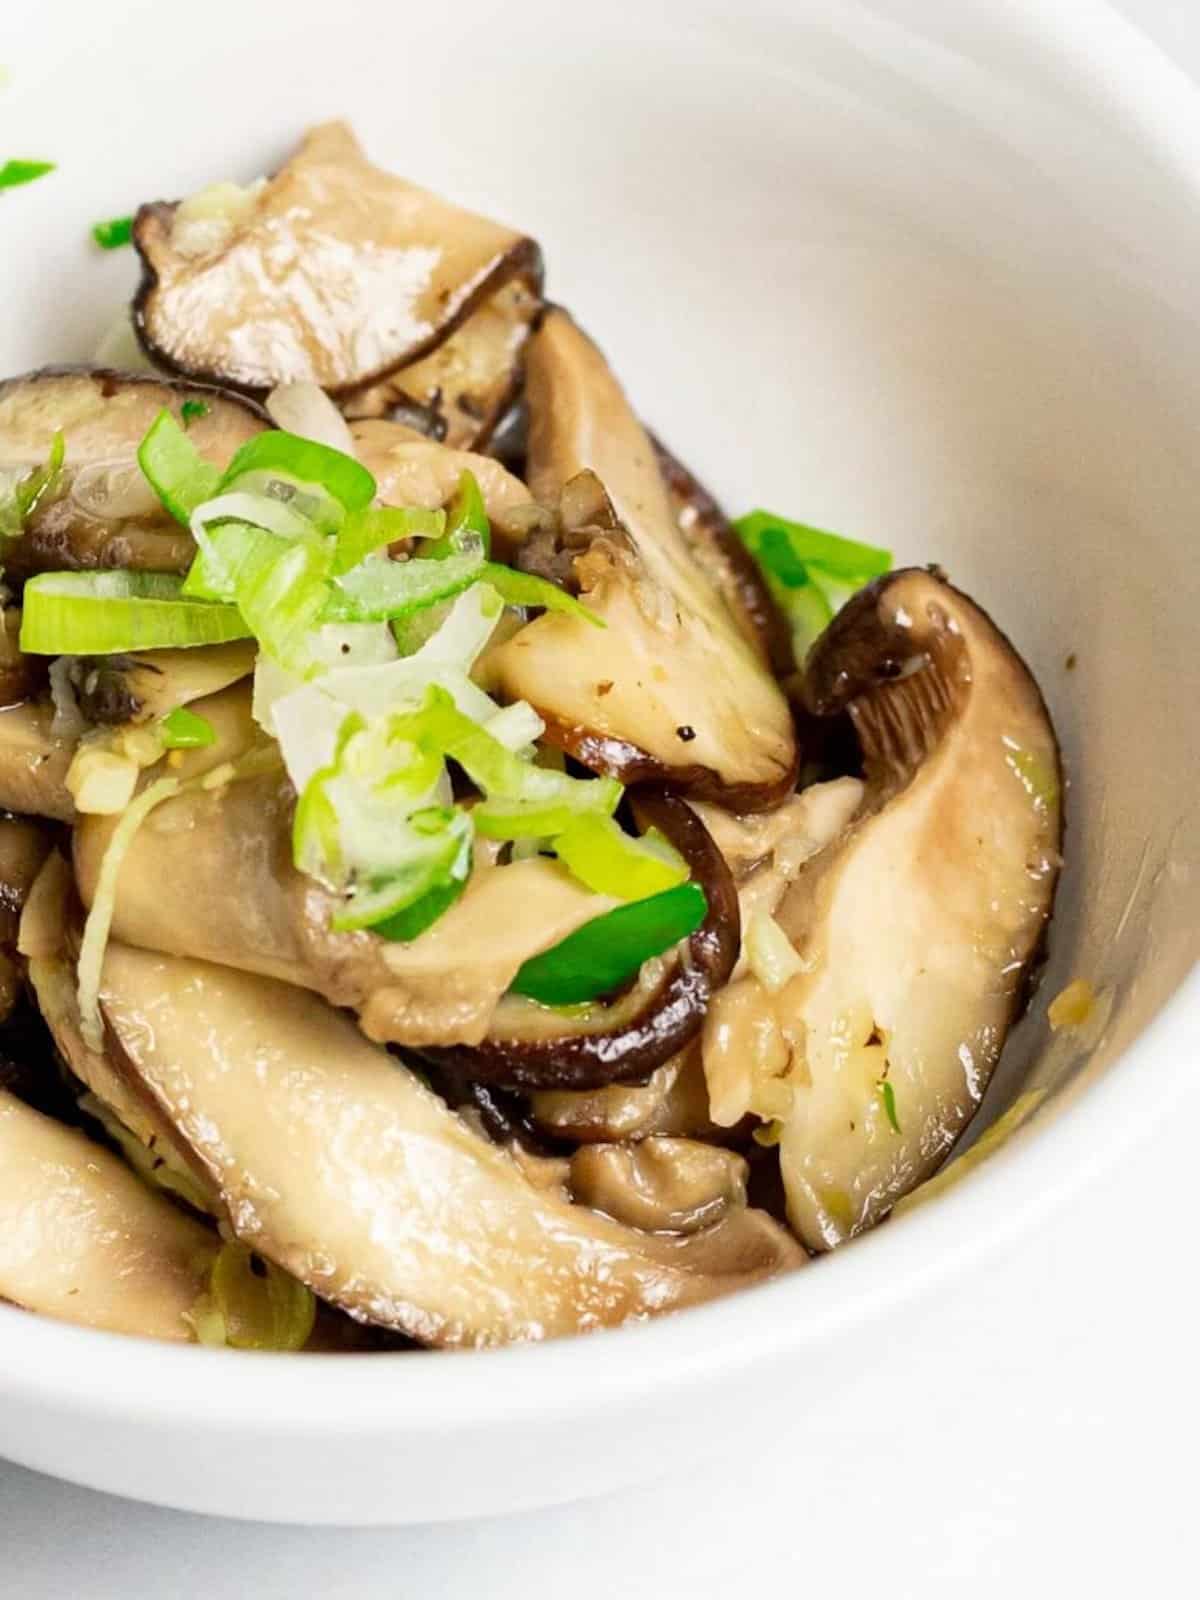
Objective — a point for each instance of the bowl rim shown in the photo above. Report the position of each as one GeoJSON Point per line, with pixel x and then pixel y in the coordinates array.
{"type": "Point", "coordinates": [98, 1374]}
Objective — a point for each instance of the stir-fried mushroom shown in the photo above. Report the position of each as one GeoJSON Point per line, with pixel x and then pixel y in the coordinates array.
{"type": "Point", "coordinates": [336, 1162]}
{"type": "Point", "coordinates": [660, 1185]}
{"type": "Point", "coordinates": [143, 686]}
{"type": "Point", "coordinates": [83, 1239]}
{"type": "Point", "coordinates": [915, 930]}
{"type": "Point", "coordinates": [714, 545]}
{"type": "Point", "coordinates": [332, 272]}
{"type": "Point", "coordinates": [34, 762]}
{"type": "Point", "coordinates": [101, 512]}
{"type": "Point", "coordinates": [412, 471]}
{"type": "Point", "coordinates": [670, 689]}
{"type": "Point", "coordinates": [673, 1100]}
{"type": "Point", "coordinates": [459, 392]}
{"type": "Point", "coordinates": [531, 1047]}
{"type": "Point", "coordinates": [24, 845]}
{"type": "Point", "coordinates": [21, 676]}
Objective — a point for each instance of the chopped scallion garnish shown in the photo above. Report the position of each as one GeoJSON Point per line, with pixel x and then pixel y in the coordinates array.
{"type": "Point", "coordinates": [192, 410]}
{"type": "Point", "coordinates": [15, 173]}
{"type": "Point", "coordinates": [182, 729]}
{"type": "Point", "coordinates": [888, 1096]}
{"type": "Point", "coordinates": [114, 233]}
{"type": "Point", "coordinates": [101, 613]}
{"type": "Point", "coordinates": [810, 573]}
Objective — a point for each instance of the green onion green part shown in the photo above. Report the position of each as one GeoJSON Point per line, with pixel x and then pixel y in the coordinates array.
{"type": "Point", "coordinates": [102, 613]}
{"type": "Point", "coordinates": [175, 469]}
{"type": "Point", "coordinates": [15, 173]}
{"type": "Point", "coordinates": [114, 233]}
{"type": "Point", "coordinates": [304, 461]}
{"type": "Point", "coordinates": [22, 501]}
{"type": "Point", "coordinates": [610, 950]}
{"type": "Point", "coordinates": [888, 1095]}
{"type": "Point", "coordinates": [182, 729]}
{"type": "Point", "coordinates": [526, 589]}
{"type": "Point", "coordinates": [192, 410]}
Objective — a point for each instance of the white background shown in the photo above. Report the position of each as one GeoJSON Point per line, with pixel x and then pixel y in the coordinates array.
{"type": "Point", "coordinates": [1038, 1436]}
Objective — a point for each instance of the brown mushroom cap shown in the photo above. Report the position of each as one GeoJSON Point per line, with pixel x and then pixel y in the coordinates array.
{"type": "Point", "coordinates": [104, 416]}
{"type": "Point", "coordinates": [670, 691]}
{"type": "Point", "coordinates": [334, 273]}
{"type": "Point", "coordinates": [917, 925]}
{"type": "Point", "coordinates": [710, 536]}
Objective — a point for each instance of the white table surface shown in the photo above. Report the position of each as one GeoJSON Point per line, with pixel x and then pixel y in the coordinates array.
{"type": "Point", "coordinates": [1044, 1441]}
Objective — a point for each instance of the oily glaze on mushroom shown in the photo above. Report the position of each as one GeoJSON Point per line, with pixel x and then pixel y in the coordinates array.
{"type": "Point", "coordinates": [334, 1160]}
{"type": "Point", "coordinates": [916, 928]}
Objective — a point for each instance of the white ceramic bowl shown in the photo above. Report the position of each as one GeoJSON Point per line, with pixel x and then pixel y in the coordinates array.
{"type": "Point", "coordinates": [921, 272]}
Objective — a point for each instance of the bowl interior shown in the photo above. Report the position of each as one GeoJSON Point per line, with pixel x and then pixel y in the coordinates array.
{"type": "Point", "coordinates": [919, 279]}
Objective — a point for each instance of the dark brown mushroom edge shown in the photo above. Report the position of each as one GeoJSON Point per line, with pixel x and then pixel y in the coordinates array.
{"type": "Point", "coordinates": [228, 1113]}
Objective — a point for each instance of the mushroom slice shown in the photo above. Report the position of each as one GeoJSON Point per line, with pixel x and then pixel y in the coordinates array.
{"type": "Point", "coordinates": [332, 272]}
{"type": "Point", "coordinates": [101, 512]}
{"type": "Point", "coordinates": [83, 1239]}
{"type": "Point", "coordinates": [733, 571]}
{"type": "Point", "coordinates": [335, 1161]}
{"type": "Point", "coordinates": [410, 470]}
{"type": "Point", "coordinates": [458, 393]}
{"type": "Point", "coordinates": [670, 689]}
{"type": "Point", "coordinates": [132, 1119]}
{"type": "Point", "coordinates": [21, 676]}
{"type": "Point", "coordinates": [145, 686]}
{"type": "Point", "coordinates": [660, 1185]}
{"type": "Point", "coordinates": [529, 1046]}
{"type": "Point", "coordinates": [24, 846]}
{"type": "Point", "coordinates": [673, 1100]}
{"type": "Point", "coordinates": [917, 927]}
{"type": "Point", "coordinates": [34, 762]}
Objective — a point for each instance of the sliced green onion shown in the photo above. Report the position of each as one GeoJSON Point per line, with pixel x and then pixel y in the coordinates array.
{"type": "Point", "coordinates": [114, 233]}
{"type": "Point", "coordinates": [175, 469]}
{"type": "Point", "coordinates": [306, 461]}
{"type": "Point", "coordinates": [20, 504]}
{"type": "Point", "coordinates": [525, 589]}
{"type": "Point", "coordinates": [379, 590]}
{"type": "Point", "coordinates": [282, 597]}
{"type": "Point", "coordinates": [769, 536]}
{"type": "Point", "coordinates": [605, 858]}
{"type": "Point", "coordinates": [102, 613]}
{"type": "Point", "coordinates": [182, 729]}
{"type": "Point", "coordinates": [610, 950]}
{"type": "Point", "coordinates": [888, 1096]}
{"type": "Point", "coordinates": [468, 531]}
{"type": "Point", "coordinates": [407, 925]}
{"type": "Point", "coordinates": [14, 173]}
{"type": "Point", "coordinates": [262, 1306]}
{"type": "Point", "coordinates": [365, 531]}
{"type": "Point", "coordinates": [433, 849]}
{"type": "Point", "coordinates": [192, 410]}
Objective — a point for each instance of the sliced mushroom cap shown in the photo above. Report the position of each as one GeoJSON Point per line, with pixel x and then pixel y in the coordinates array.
{"type": "Point", "coordinates": [918, 925]}
{"type": "Point", "coordinates": [34, 762]}
{"type": "Point", "coordinates": [660, 1185]}
{"type": "Point", "coordinates": [412, 471]}
{"type": "Point", "coordinates": [336, 1162]}
{"type": "Point", "coordinates": [118, 1102]}
{"type": "Point", "coordinates": [673, 1100]}
{"type": "Point", "coordinates": [102, 513]}
{"type": "Point", "coordinates": [332, 272]}
{"type": "Point", "coordinates": [21, 676]}
{"type": "Point", "coordinates": [732, 570]}
{"type": "Point", "coordinates": [459, 392]}
{"type": "Point", "coordinates": [669, 689]}
{"type": "Point", "coordinates": [24, 846]}
{"type": "Point", "coordinates": [83, 1239]}
{"type": "Point", "coordinates": [147, 685]}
